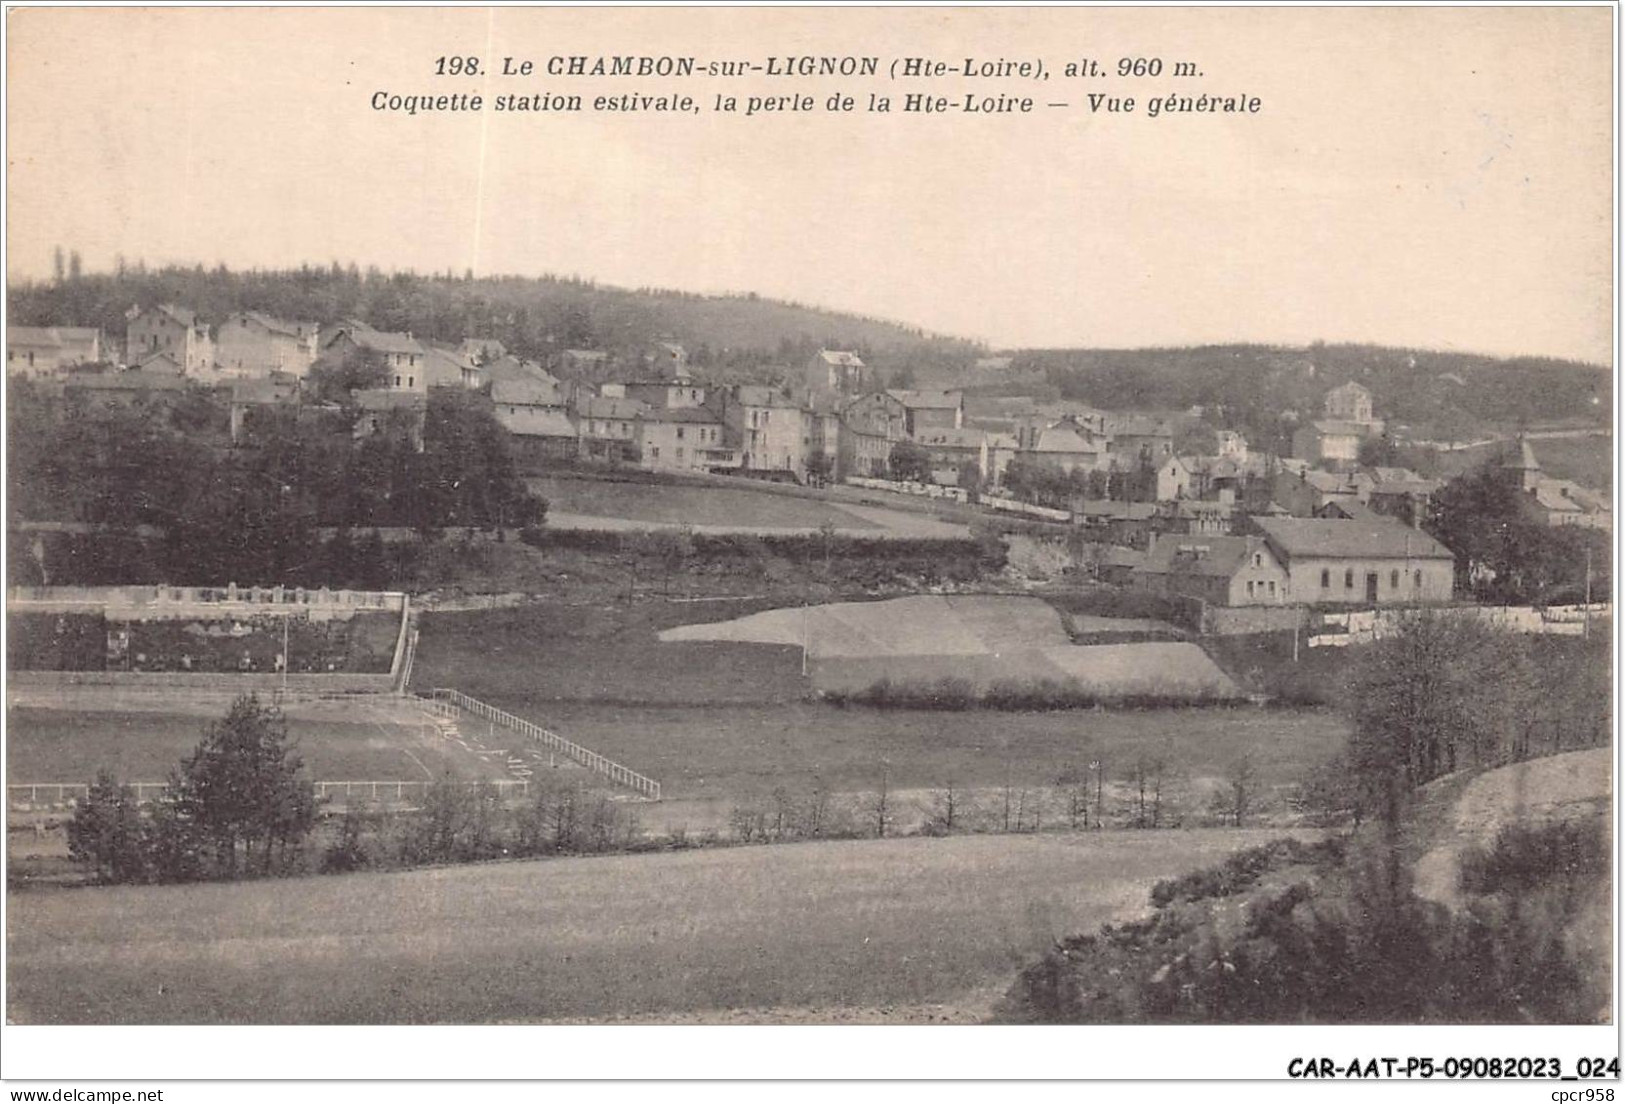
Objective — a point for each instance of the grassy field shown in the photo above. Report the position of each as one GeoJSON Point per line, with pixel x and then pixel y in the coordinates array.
{"type": "Point", "coordinates": [853, 925]}
{"type": "Point", "coordinates": [722, 721]}
{"type": "Point", "coordinates": [1588, 461]}
{"type": "Point", "coordinates": [730, 751]}
{"type": "Point", "coordinates": [679, 505]}
{"type": "Point", "coordinates": [49, 745]}
{"type": "Point", "coordinates": [607, 652]}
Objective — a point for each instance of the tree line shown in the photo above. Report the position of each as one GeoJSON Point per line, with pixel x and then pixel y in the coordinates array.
{"type": "Point", "coordinates": [251, 511]}
{"type": "Point", "coordinates": [533, 317]}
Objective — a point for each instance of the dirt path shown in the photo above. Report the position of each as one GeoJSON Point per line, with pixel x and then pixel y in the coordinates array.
{"type": "Point", "coordinates": [1542, 791]}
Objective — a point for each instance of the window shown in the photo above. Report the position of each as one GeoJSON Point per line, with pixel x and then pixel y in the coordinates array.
{"type": "Point", "coordinates": [1258, 559]}
{"type": "Point", "coordinates": [1325, 578]}
{"type": "Point", "coordinates": [397, 381]}
{"type": "Point", "coordinates": [1393, 579]}
{"type": "Point", "coordinates": [1272, 588]}
{"type": "Point", "coordinates": [1418, 581]}
{"type": "Point", "coordinates": [654, 451]}
{"type": "Point", "coordinates": [1249, 588]}
{"type": "Point", "coordinates": [679, 454]}
{"type": "Point", "coordinates": [410, 382]}
{"type": "Point", "coordinates": [1348, 579]}
{"type": "Point", "coordinates": [679, 437]}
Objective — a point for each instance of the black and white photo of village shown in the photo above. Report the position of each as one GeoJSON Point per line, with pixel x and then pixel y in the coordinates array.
{"type": "Point", "coordinates": [399, 642]}
{"type": "Point", "coordinates": [1226, 684]}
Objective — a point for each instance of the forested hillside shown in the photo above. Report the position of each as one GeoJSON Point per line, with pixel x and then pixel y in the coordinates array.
{"type": "Point", "coordinates": [533, 317]}
{"type": "Point", "coordinates": [1265, 390]}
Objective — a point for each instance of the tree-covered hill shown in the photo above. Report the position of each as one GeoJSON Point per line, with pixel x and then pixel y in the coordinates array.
{"type": "Point", "coordinates": [1264, 390]}
{"type": "Point", "coordinates": [532, 316]}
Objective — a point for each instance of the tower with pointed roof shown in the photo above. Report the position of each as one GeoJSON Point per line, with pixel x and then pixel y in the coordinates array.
{"type": "Point", "coordinates": [1519, 467]}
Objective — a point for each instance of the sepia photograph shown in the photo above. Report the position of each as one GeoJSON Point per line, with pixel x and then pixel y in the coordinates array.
{"type": "Point", "coordinates": [543, 518]}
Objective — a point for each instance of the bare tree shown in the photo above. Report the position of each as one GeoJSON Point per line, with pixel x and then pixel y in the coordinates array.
{"type": "Point", "coordinates": [880, 808]}
{"type": "Point", "coordinates": [1240, 791]}
{"type": "Point", "coordinates": [1073, 784]}
{"type": "Point", "coordinates": [945, 809]}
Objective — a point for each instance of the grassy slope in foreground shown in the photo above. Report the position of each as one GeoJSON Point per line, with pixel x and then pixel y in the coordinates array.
{"type": "Point", "coordinates": [854, 924]}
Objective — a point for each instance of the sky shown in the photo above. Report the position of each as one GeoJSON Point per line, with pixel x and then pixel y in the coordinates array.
{"type": "Point", "coordinates": [1437, 178]}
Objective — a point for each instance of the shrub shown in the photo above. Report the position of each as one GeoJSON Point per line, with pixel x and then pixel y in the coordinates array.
{"type": "Point", "coordinates": [1525, 857]}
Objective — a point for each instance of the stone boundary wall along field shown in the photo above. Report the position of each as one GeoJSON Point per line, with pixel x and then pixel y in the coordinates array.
{"type": "Point", "coordinates": [165, 603]}
{"type": "Point", "coordinates": [156, 603]}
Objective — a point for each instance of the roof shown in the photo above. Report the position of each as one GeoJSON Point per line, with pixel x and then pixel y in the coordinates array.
{"type": "Point", "coordinates": [1333, 537]}
{"type": "Point", "coordinates": [1208, 556]}
{"type": "Point", "coordinates": [749, 394]}
{"type": "Point", "coordinates": [1065, 438]}
{"type": "Point", "coordinates": [596, 406]}
{"type": "Point", "coordinates": [525, 392]}
{"type": "Point", "coordinates": [1331, 427]}
{"type": "Point", "coordinates": [164, 360]}
{"type": "Point", "coordinates": [1348, 387]}
{"type": "Point", "coordinates": [951, 438]}
{"type": "Point", "coordinates": [681, 415]}
{"type": "Point", "coordinates": [275, 325]}
{"type": "Point", "coordinates": [510, 367]}
{"type": "Point", "coordinates": [928, 400]}
{"type": "Point", "coordinates": [1138, 425]}
{"type": "Point", "coordinates": [844, 359]}
{"type": "Point", "coordinates": [1115, 555]}
{"type": "Point", "coordinates": [184, 315]}
{"type": "Point", "coordinates": [1189, 508]}
{"type": "Point", "coordinates": [1551, 497]}
{"type": "Point", "coordinates": [381, 342]}
{"type": "Point", "coordinates": [261, 392]}
{"type": "Point", "coordinates": [1394, 475]}
{"type": "Point", "coordinates": [1586, 498]}
{"type": "Point", "coordinates": [131, 380]}
{"type": "Point", "coordinates": [1111, 509]}
{"type": "Point", "coordinates": [1520, 458]}
{"type": "Point", "coordinates": [473, 346]}
{"type": "Point", "coordinates": [1327, 482]}
{"type": "Point", "coordinates": [1352, 509]}
{"type": "Point", "coordinates": [1422, 487]}
{"type": "Point", "coordinates": [551, 422]}
{"type": "Point", "coordinates": [444, 368]}
{"type": "Point", "coordinates": [387, 398]}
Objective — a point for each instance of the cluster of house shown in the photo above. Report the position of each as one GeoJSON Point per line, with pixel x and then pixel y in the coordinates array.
{"type": "Point", "coordinates": [1236, 527]}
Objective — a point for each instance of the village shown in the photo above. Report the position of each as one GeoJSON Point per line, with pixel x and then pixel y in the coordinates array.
{"type": "Point", "coordinates": [1160, 501]}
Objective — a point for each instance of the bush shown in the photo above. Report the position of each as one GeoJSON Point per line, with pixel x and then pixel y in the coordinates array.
{"type": "Point", "coordinates": [1040, 695]}
{"type": "Point", "coordinates": [1523, 858]}
{"type": "Point", "coordinates": [1340, 946]}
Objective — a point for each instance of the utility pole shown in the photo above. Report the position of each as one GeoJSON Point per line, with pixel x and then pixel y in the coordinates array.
{"type": "Point", "coordinates": [1586, 631]}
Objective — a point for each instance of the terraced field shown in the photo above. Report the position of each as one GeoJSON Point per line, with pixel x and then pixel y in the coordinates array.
{"type": "Point", "coordinates": [980, 640]}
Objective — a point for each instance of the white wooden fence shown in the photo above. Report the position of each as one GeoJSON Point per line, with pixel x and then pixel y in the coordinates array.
{"type": "Point", "coordinates": [1339, 630]}
{"type": "Point", "coordinates": [615, 772]}
{"type": "Point", "coordinates": [50, 795]}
